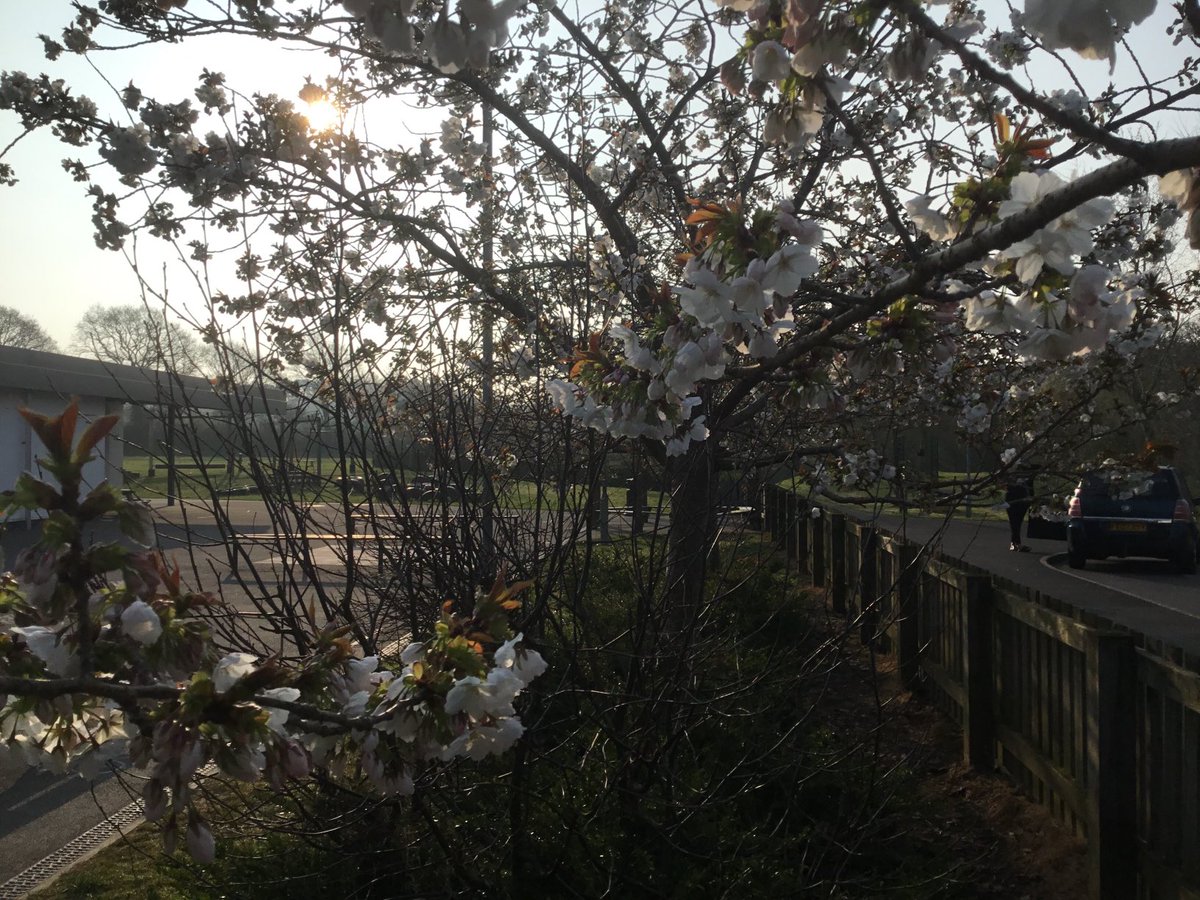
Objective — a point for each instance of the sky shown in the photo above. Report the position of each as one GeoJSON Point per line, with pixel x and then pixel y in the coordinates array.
{"type": "Point", "coordinates": [52, 269]}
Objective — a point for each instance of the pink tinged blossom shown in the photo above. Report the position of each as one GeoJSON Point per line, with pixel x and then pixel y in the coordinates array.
{"type": "Point", "coordinates": [709, 300]}
{"type": "Point", "coordinates": [480, 698]}
{"type": "Point", "coordinates": [636, 356]}
{"type": "Point", "coordinates": [929, 220]}
{"type": "Point", "coordinates": [154, 800]}
{"type": "Point", "coordinates": [697, 430]}
{"type": "Point", "coordinates": [129, 150]}
{"type": "Point", "coordinates": [1042, 312]}
{"type": "Point", "coordinates": [390, 26]}
{"type": "Point", "coordinates": [806, 232]}
{"type": "Point", "coordinates": [738, 5]}
{"type": "Point", "coordinates": [199, 840]}
{"type": "Point", "coordinates": [1089, 27]}
{"type": "Point", "coordinates": [770, 62]}
{"type": "Point", "coordinates": [564, 395]}
{"type": "Point", "coordinates": [792, 127]}
{"type": "Point", "coordinates": [763, 345]}
{"type": "Point", "coordinates": [37, 574]}
{"type": "Point", "coordinates": [483, 740]}
{"type": "Point", "coordinates": [49, 647]}
{"type": "Point", "coordinates": [294, 759]}
{"type": "Point", "coordinates": [277, 718]}
{"type": "Point", "coordinates": [1088, 288]}
{"type": "Point", "coordinates": [412, 653]}
{"type": "Point", "coordinates": [1048, 344]}
{"type": "Point", "coordinates": [826, 49]}
{"type": "Point", "coordinates": [446, 45]}
{"type": "Point", "coordinates": [360, 674]}
{"type": "Point", "coordinates": [993, 314]}
{"type": "Point", "coordinates": [191, 759]}
{"type": "Point", "coordinates": [242, 761]}
{"type": "Point", "coordinates": [1180, 187]}
{"type": "Point", "coordinates": [733, 76]}
{"type": "Point", "coordinates": [469, 695]}
{"type": "Point", "coordinates": [749, 299]}
{"type": "Point", "coordinates": [526, 665]}
{"type": "Point", "coordinates": [140, 622]}
{"type": "Point", "coordinates": [1058, 243]}
{"type": "Point", "coordinates": [231, 668]}
{"type": "Point", "coordinates": [786, 268]}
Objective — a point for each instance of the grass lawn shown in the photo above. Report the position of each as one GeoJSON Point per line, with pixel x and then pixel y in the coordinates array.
{"type": "Point", "coordinates": [194, 484]}
{"type": "Point", "coordinates": [134, 867]}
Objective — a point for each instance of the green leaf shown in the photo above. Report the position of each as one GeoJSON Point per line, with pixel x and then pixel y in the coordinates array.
{"type": "Point", "coordinates": [100, 501]}
{"type": "Point", "coordinates": [59, 530]}
{"type": "Point", "coordinates": [31, 493]}
{"type": "Point", "coordinates": [107, 557]}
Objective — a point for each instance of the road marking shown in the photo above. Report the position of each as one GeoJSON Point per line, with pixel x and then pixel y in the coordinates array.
{"type": "Point", "coordinates": [1075, 573]}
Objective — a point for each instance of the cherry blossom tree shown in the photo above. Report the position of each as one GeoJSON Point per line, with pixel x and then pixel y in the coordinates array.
{"type": "Point", "coordinates": [736, 234]}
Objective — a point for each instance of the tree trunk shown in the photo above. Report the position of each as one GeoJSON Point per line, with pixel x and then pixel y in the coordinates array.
{"type": "Point", "coordinates": [691, 536]}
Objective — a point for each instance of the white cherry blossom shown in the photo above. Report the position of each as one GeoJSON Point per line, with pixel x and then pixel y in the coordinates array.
{"type": "Point", "coordinates": [231, 668]}
{"type": "Point", "coordinates": [140, 622]}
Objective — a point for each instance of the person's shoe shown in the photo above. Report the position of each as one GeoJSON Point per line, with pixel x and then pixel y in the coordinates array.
{"type": "Point", "coordinates": [1018, 548]}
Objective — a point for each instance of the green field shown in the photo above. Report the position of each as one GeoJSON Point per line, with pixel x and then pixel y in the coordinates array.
{"type": "Point", "coordinates": [313, 480]}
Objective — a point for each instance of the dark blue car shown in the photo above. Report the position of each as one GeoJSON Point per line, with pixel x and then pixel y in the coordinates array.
{"type": "Point", "coordinates": [1124, 512]}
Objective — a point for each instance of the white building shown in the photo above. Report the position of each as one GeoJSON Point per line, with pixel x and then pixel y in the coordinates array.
{"type": "Point", "coordinates": [46, 382]}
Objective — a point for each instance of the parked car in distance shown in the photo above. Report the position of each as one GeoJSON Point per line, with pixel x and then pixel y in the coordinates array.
{"type": "Point", "coordinates": [1129, 512]}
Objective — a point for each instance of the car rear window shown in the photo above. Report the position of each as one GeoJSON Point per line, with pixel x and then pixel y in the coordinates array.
{"type": "Point", "coordinates": [1121, 484]}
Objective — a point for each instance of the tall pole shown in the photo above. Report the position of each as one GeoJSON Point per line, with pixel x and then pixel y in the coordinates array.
{"type": "Point", "coordinates": [488, 222]}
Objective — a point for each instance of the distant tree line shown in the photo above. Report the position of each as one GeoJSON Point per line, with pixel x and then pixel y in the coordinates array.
{"type": "Point", "coordinates": [129, 335]}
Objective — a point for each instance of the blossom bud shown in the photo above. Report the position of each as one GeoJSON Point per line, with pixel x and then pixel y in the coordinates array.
{"type": "Point", "coordinates": [154, 800]}
{"type": "Point", "coordinates": [199, 840]}
{"type": "Point", "coordinates": [733, 76]}
{"type": "Point", "coordinates": [294, 759]}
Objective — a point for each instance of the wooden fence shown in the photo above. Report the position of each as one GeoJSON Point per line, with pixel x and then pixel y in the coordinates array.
{"type": "Point", "coordinates": [1099, 724]}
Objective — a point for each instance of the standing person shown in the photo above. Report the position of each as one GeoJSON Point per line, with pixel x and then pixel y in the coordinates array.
{"type": "Point", "coordinates": [1018, 495]}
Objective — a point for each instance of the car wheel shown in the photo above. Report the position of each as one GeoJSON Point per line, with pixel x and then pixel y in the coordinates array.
{"type": "Point", "coordinates": [1076, 559]}
{"type": "Point", "coordinates": [1185, 559]}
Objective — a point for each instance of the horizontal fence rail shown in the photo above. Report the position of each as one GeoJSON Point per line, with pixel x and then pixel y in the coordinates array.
{"type": "Point", "coordinates": [1092, 722]}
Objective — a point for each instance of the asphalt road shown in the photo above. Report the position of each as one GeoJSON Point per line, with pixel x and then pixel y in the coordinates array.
{"type": "Point", "coordinates": [1136, 594]}
{"type": "Point", "coordinates": [40, 812]}
{"type": "Point", "coordinates": [1150, 580]}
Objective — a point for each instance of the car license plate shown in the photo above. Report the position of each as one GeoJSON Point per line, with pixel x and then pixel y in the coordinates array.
{"type": "Point", "coordinates": [1129, 527]}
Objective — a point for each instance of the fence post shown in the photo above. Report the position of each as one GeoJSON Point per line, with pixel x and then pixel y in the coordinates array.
{"type": "Point", "coordinates": [908, 595]}
{"type": "Point", "coordinates": [816, 546]}
{"type": "Point", "coordinates": [979, 721]}
{"type": "Point", "coordinates": [768, 508]}
{"type": "Point", "coordinates": [790, 518]}
{"type": "Point", "coordinates": [868, 587]}
{"type": "Point", "coordinates": [635, 499]}
{"type": "Point", "coordinates": [798, 538]}
{"type": "Point", "coordinates": [837, 563]}
{"type": "Point", "coordinates": [1111, 766]}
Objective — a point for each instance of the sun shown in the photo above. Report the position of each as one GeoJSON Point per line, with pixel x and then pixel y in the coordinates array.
{"type": "Point", "coordinates": [321, 114]}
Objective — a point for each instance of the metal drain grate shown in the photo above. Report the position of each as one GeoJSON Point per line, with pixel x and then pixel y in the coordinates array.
{"type": "Point", "coordinates": [21, 884]}
{"type": "Point", "coordinates": [69, 854]}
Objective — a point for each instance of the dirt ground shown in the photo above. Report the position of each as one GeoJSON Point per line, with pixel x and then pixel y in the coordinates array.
{"type": "Point", "coordinates": [1004, 846]}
